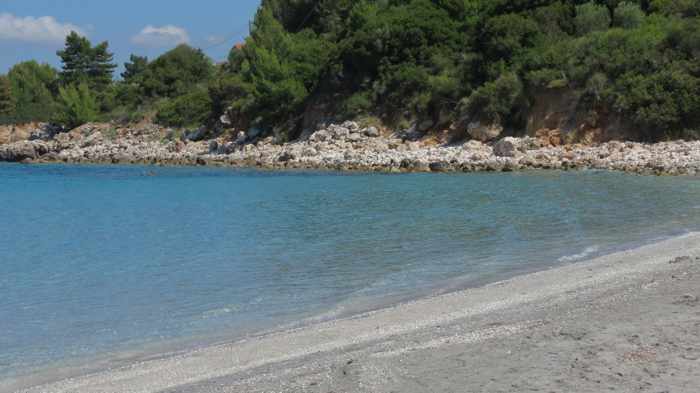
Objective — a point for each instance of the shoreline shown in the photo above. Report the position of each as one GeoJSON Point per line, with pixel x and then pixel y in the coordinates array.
{"type": "Point", "coordinates": [420, 321]}
{"type": "Point", "coordinates": [349, 147]}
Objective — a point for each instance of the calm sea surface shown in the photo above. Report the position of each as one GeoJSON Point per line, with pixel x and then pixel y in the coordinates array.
{"type": "Point", "coordinates": [95, 260]}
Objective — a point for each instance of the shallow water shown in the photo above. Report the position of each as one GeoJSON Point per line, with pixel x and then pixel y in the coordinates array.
{"type": "Point", "coordinates": [99, 259]}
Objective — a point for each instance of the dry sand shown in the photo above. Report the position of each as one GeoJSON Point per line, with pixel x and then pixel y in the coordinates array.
{"type": "Point", "coordinates": [626, 322]}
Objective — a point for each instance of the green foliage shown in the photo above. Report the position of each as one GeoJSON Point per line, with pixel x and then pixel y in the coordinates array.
{"type": "Point", "coordinates": [591, 17]}
{"type": "Point", "coordinates": [494, 101]}
{"type": "Point", "coordinates": [358, 104]}
{"type": "Point", "coordinates": [33, 86]}
{"type": "Point", "coordinates": [77, 105]}
{"type": "Point", "coordinates": [278, 71]}
{"type": "Point", "coordinates": [7, 102]}
{"type": "Point", "coordinates": [135, 69]}
{"type": "Point", "coordinates": [176, 72]}
{"type": "Point", "coordinates": [402, 61]}
{"type": "Point", "coordinates": [189, 110]}
{"type": "Point", "coordinates": [83, 63]}
{"type": "Point", "coordinates": [678, 8]}
{"type": "Point", "coordinates": [628, 15]}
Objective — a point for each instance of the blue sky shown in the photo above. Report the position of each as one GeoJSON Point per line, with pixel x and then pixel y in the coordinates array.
{"type": "Point", "coordinates": [34, 29]}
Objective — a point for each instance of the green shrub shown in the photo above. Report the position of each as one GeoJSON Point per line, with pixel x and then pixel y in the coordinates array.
{"type": "Point", "coordinates": [358, 104]}
{"type": "Point", "coordinates": [494, 101]}
{"type": "Point", "coordinates": [77, 105]}
{"type": "Point", "coordinates": [189, 110]}
{"type": "Point", "coordinates": [591, 17]}
{"type": "Point", "coordinates": [628, 16]}
{"type": "Point", "coordinates": [7, 102]}
{"type": "Point", "coordinates": [33, 86]}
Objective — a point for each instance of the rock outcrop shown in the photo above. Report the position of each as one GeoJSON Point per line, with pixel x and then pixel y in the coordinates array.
{"type": "Point", "coordinates": [351, 147]}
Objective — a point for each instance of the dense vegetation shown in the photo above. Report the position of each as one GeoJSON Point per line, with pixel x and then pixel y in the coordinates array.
{"type": "Point", "coordinates": [426, 62]}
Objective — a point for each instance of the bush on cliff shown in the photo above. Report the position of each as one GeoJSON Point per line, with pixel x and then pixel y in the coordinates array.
{"type": "Point", "coordinates": [189, 110]}
{"type": "Point", "coordinates": [77, 105]}
{"type": "Point", "coordinates": [408, 60]}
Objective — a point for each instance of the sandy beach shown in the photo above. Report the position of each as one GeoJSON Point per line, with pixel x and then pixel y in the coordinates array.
{"type": "Point", "coordinates": [628, 321]}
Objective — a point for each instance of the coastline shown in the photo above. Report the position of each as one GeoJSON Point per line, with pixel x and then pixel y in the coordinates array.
{"type": "Point", "coordinates": [349, 147]}
{"type": "Point", "coordinates": [325, 356]}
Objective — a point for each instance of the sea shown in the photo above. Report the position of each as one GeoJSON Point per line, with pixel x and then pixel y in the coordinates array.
{"type": "Point", "coordinates": [98, 261]}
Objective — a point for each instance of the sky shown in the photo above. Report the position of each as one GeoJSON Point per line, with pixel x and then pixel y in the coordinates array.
{"type": "Point", "coordinates": [35, 29]}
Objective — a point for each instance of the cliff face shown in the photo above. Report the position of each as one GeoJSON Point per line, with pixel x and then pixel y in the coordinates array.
{"type": "Point", "coordinates": [561, 113]}
{"type": "Point", "coordinates": [16, 133]}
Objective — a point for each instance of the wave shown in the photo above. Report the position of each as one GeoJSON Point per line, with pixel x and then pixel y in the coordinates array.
{"type": "Point", "coordinates": [582, 255]}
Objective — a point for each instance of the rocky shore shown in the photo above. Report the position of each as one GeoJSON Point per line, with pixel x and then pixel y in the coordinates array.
{"type": "Point", "coordinates": [347, 147]}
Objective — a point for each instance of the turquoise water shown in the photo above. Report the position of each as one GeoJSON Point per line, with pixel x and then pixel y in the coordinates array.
{"type": "Point", "coordinates": [101, 259]}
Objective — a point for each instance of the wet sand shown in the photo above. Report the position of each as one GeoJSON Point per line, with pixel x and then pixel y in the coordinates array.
{"type": "Point", "coordinates": [629, 321]}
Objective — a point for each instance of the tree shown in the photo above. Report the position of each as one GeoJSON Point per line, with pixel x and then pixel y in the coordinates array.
{"type": "Point", "coordinates": [176, 72]}
{"type": "Point", "coordinates": [591, 17]}
{"type": "Point", "coordinates": [7, 104]}
{"type": "Point", "coordinates": [135, 69]}
{"type": "Point", "coordinates": [76, 106]}
{"type": "Point", "coordinates": [83, 63]}
{"type": "Point", "coordinates": [682, 8]}
{"type": "Point", "coordinates": [33, 86]}
{"type": "Point", "coordinates": [101, 68]}
{"type": "Point", "coordinates": [628, 15]}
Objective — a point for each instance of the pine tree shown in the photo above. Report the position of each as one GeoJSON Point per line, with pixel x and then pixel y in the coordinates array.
{"type": "Point", "coordinates": [84, 64]}
{"type": "Point", "coordinates": [134, 69]}
{"type": "Point", "coordinates": [101, 68]}
{"type": "Point", "coordinates": [76, 59]}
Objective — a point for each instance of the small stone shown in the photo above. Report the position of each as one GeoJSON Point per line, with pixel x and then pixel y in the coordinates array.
{"type": "Point", "coordinates": [286, 156]}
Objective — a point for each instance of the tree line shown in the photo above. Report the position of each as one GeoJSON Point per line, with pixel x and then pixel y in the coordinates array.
{"type": "Point", "coordinates": [403, 62]}
{"type": "Point", "coordinates": [84, 89]}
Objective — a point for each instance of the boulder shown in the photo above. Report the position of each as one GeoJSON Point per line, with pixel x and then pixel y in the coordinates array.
{"type": "Point", "coordinates": [338, 132]}
{"type": "Point", "coordinates": [213, 146]}
{"type": "Point", "coordinates": [354, 137]}
{"type": "Point", "coordinates": [19, 151]}
{"type": "Point", "coordinates": [241, 138]}
{"type": "Point", "coordinates": [309, 151]}
{"type": "Point", "coordinates": [548, 137]}
{"type": "Point", "coordinates": [484, 132]}
{"type": "Point", "coordinates": [371, 132]}
{"type": "Point", "coordinates": [195, 135]}
{"type": "Point", "coordinates": [439, 166]}
{"type": "Point", "coordinates": [320, 136]}
{"type": "Point", "coordinates": [93, 139]}
{"type": "Point", "coordinates": [44, 132]}
{"type": "Point", "coordinates": [506, 147]}
{"type": "Point", "coordinates": [351, 126]}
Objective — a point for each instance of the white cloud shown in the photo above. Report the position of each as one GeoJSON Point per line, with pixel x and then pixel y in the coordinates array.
{"type": "Point", "coordinates": [45, 29]}
{"type": "Point", "coordinates": [161, 36]}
